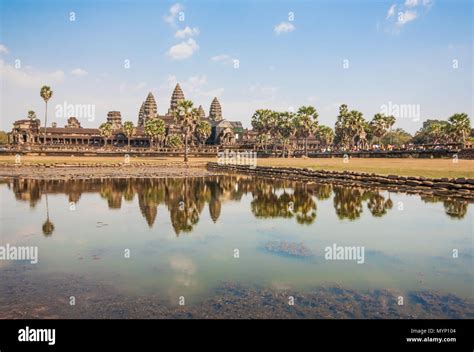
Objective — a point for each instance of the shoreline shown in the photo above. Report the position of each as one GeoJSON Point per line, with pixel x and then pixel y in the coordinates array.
{"type": "Point", "coordinates": [459, 188]}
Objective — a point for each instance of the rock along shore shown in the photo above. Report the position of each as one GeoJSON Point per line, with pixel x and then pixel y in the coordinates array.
{"type": "Point", "coordinates": [452, 187]}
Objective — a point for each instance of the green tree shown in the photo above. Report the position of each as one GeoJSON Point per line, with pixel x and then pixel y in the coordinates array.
{"type": "Point", "coordinates": [325, 135]}
{"type": "Point", "coordinates": [187, 117]}
{"type": "Point", "coordinates": [460, 126]}
{"type": "Point", "coordinates": [129, 130]}
{"type": "Point", "coordinates": [285, 129]}
{"type": "Point", "coordinates": [31, 115]}
{"type": "Point", "coordinates": [379, 127]}
{"type": "Point", "coordinates": [106, 131]}
{"type": "Point", "coordinates": [341, 129]}
{"type": "Point", "coordinates": [174, 141]}
{"type": "Point", "coordinates": [155, 129]}
{"type": "Point", "coordinates": [306, 124]}
{"type": "Point", "coordinates": [262, 124]}
{"type": "Point", "coordinates": [397, 137]}
{"type": "Point", "coordinates": [203, 131]}
{"type": "Point", "coordinates": [46, 93]}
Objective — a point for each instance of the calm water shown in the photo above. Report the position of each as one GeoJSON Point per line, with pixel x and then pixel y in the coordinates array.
{"type": "Point", "coordinates": [182, 235]}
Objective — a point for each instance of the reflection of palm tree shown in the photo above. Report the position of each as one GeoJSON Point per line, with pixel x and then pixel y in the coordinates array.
{"type": "Point", "coordinates": [456, 209]}
{"type": "Point", "coordinates": [48, 226]}
{"type": "Point", "coordinates": [378, 205]}
{"type": "Point", "coordinates": [347, 202]}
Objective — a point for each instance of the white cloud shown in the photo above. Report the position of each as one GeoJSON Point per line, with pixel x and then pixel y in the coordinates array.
{"type": "Point", "coordinates": [187, 32]}
{"type": "Point", "coordinates": [427, 3]}
{"type": "Point", "coordinates": [183, 50]}
{"type": "Point", "coordinates": [221, 58]}
{"type": "Point", "coordinates": [405, 17]}
{"type": "Point", "coordinates": [411, 3]}
{"type": "Point", "coordinates": [194, 88]}
{"type": "Point", "coordinates": [174, 10]}
{"type": "Point", "coordinates": [391, 11]}
{"type": "Point", "coordinates": [284, 27]}
{"type": "Point", "coordinates": [3, 49]}
{"type": "Point", "coordinates": [224, 59]}
{"type": "Point", "coordinates": [79, 72]}
{"type": "Point", "coordinates": [29, 77]}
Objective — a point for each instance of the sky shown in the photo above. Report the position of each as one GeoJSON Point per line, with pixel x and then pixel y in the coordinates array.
{"type": "Point", "coordinates": [412, 57]}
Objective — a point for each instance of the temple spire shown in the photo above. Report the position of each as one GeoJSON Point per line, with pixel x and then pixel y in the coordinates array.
{"type": "Point", "coordinates": [176, 97]}
{"type": "Point", "coordinates": [202, 114]}
{"type": "Point", "coordinates": [148, 110]}
{"type": "Point", "coordinates": [215, 111]}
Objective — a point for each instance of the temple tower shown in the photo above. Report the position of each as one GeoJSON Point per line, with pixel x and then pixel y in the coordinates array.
{"type": "Point", "coordinates": [115, 119]}
{"type": "Point", "coordinates": [202, 114]}
{"type": "Point", "coordinates": [215, 111]}
{"type": "Point", "coordinates": [148, 110]}
{"type": "Point", "coordinates": [176, 97]}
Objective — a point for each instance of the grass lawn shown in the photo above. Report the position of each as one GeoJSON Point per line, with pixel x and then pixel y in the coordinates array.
{"type": "Point", "coordinates": [433, 168]}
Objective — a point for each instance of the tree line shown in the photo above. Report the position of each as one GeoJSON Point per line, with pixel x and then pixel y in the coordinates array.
{"type": "Point", "coordinates": [351, 130]}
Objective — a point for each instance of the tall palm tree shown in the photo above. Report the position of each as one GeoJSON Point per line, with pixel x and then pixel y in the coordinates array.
{"type": "Point", "coordinates": [106, 131]}
{"type": "Point", "coordinates": [325, 135]}
{"type": "Point", "coordinates": [155, 129]}
{"type": "Point", "coordinates": [460, 126]}
{"type": "Point", "coordinates": [378, 126]}
{"type": "Point", "coordinates": [262, 122]}
{"type": "Point", "coordinates": [187, 117]}
{"type": "Point", "coordinates": [355, 126]}
{"type": "Point", "coordinates": [307, 123]}
{"type": "Point", "coordinates": [203, 131]}
{"type": "Point", "coordinates": [129, 130]}
{"type": "Point", "coordinates": [389, 122]}
{"type": "Point", "coordinates": [285, 129]}
{"type": "Point", "coordinates": [48, 226]}
{"type": "Point", "coordinates": [46, 93]}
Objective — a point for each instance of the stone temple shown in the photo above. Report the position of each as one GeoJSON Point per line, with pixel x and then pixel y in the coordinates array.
{"type": "Point", "coordinates": [223, 131]}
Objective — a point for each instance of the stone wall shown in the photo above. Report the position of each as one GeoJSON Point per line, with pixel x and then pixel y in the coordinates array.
{"type": "Point", "coordinates": [459, 187]}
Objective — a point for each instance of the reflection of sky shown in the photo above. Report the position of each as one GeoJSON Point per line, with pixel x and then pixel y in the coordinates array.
{"type": "Point", "coordinates": [408, 249]}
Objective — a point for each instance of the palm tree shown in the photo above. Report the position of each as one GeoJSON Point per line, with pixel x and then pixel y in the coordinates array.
{"type": "Point", "coordinates": [174, 141]}
{"type": "Point", "coordinates": [31, 115]}
{"type": "Point", "coordinates": [389, 122]}
{"type": "Point", "coordinates": [307, 123]}
{"type": "Point", "coordinates": [460, 126]}
{"type": "Point", "coordinates": [325, 135]}
{"type": "Point", "coordinates": [48, 226]}
{"type": "Point", "coordinates": [129, 130]}
{"type": "Point", "coordinates": [355, 125]}
{"type": "Point", "coordinates": [261, 122]}
{"type": "Point", "coordinates": [341, 128]}
{"type": "Point", "coordinates": [186, 116]}
{"type": "Point", "coordinates": [285, 128]}
{"type": "Point", "coordinates": [46, 93]}
{"type": "Point", "coordinates": [378, 126]}
{"type": "Point", "coordinates": [155, 129]}
{"type": "Point", "coordinates": [203, 131]}
{"type": "Point", "coordinates": [106, 131]}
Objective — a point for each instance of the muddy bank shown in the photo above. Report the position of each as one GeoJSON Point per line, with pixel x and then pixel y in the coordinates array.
{"type": "Point", "coordinates": [459, 188]}
{"type": "Point", "coordinates": [101, 170]}
{"type": "Point", "coordinates": [47, 296]}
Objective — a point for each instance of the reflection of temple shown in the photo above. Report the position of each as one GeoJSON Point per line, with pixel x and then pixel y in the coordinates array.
{"type": "Point", "coordinates": [186, 198]}
{"type": "Point", "coordinates": [223, 131]}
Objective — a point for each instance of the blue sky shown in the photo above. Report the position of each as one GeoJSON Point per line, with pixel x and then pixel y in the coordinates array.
{"type": "Point", "coordinates": [284, 61]}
